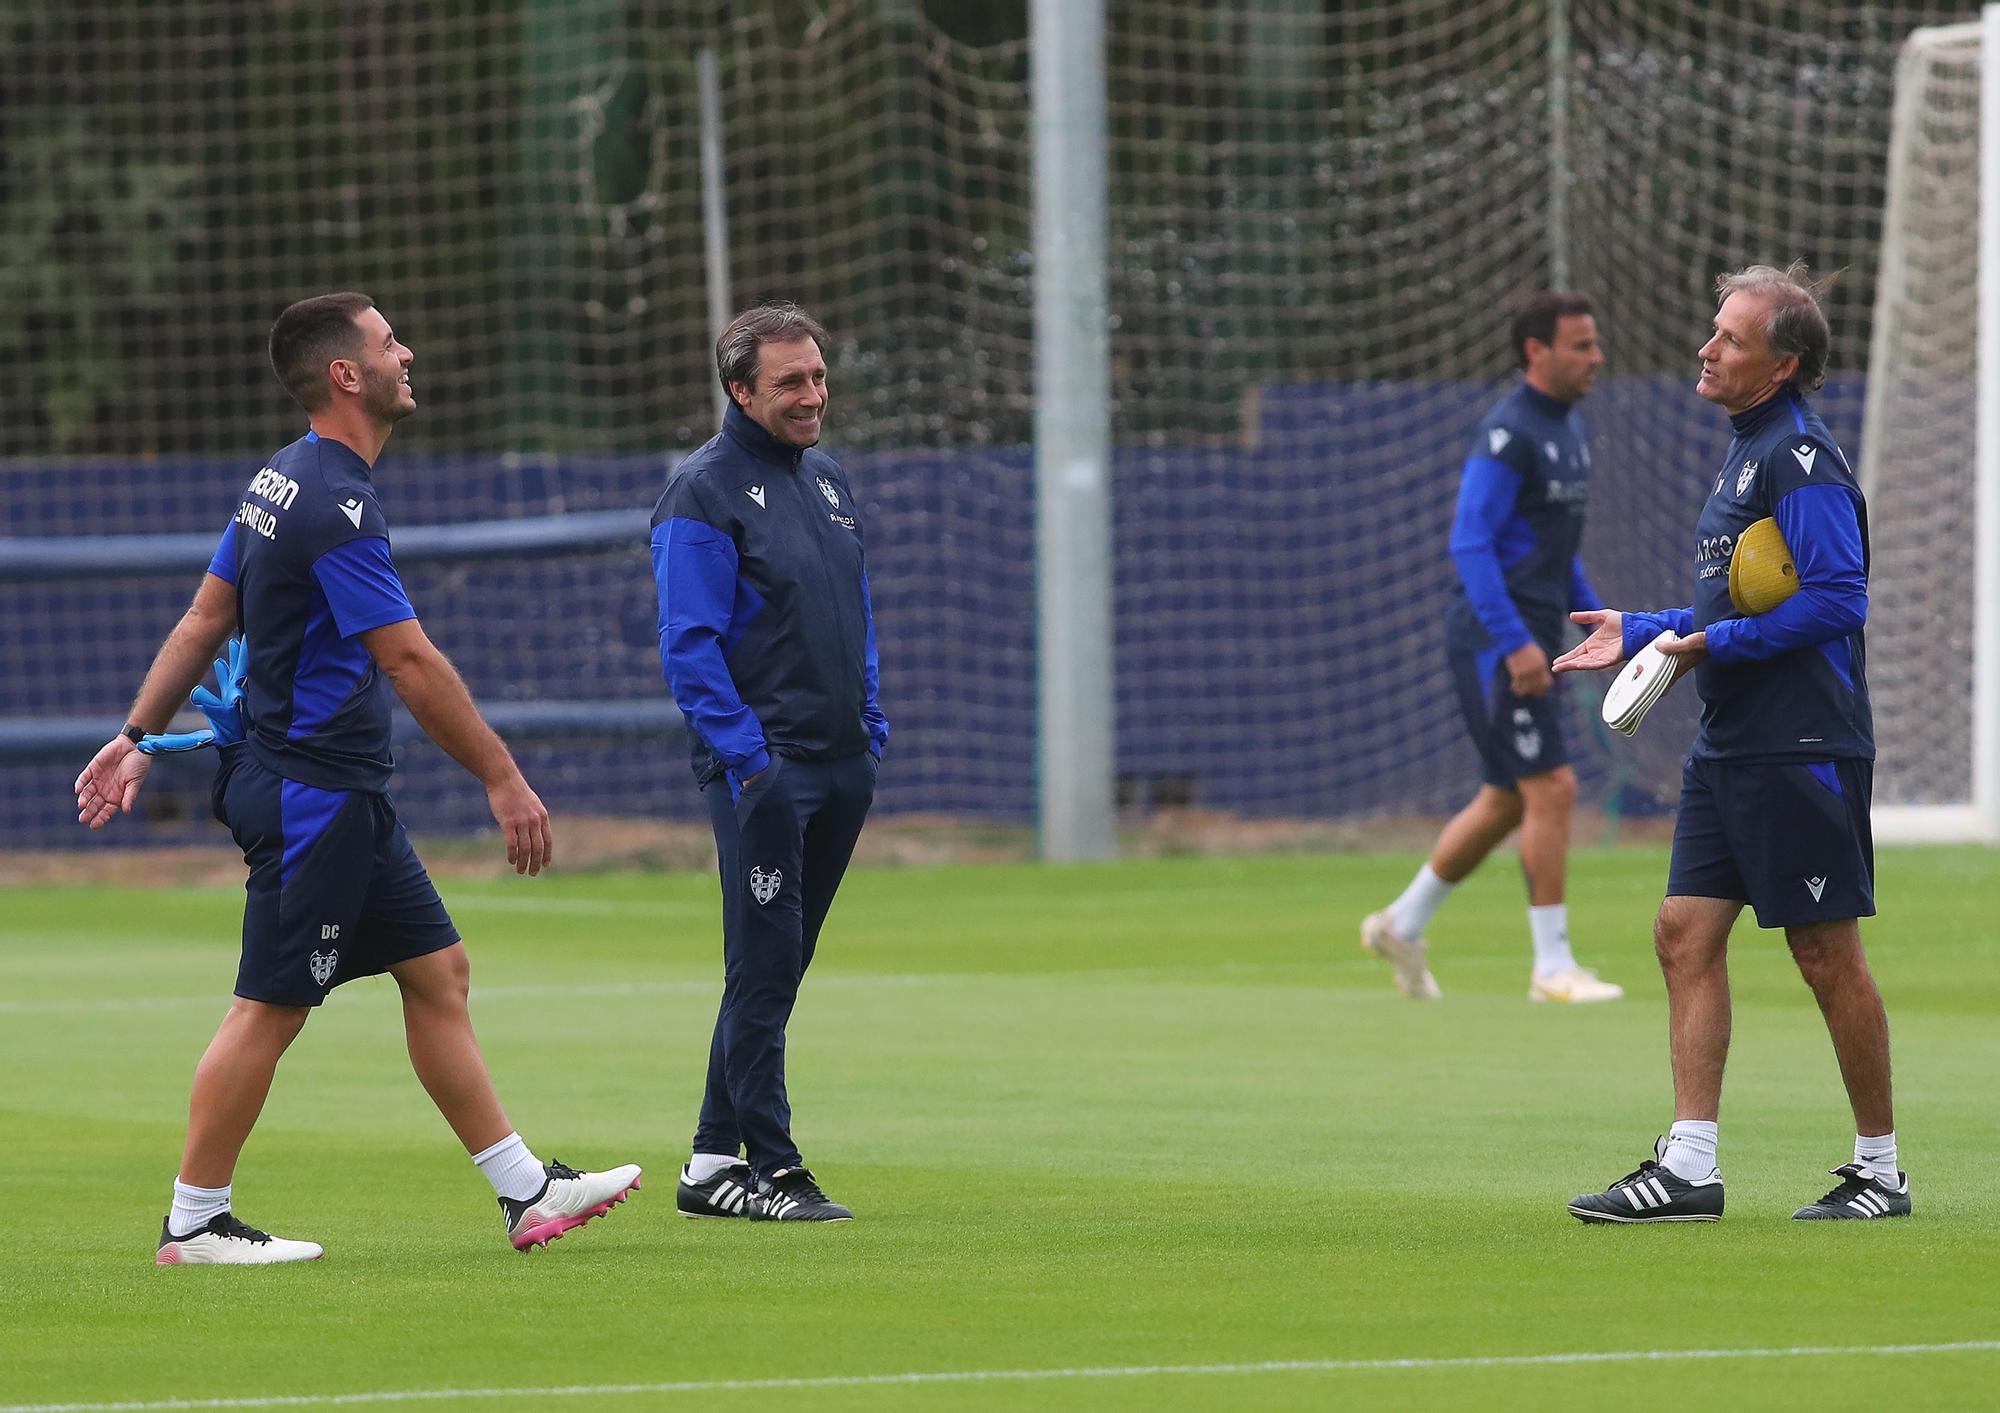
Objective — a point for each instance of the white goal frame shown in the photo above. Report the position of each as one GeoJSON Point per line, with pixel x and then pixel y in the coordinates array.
{"type": "Point", "coordinates": [1977, 818]}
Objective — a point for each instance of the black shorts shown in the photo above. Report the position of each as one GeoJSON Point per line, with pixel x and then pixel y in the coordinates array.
{"type": "Point", "coordinates": [1515, 736]}
{"type": "Point", "coordinates": [335, 889]}
{"type": "Point", "coordinates": [1792, 839]}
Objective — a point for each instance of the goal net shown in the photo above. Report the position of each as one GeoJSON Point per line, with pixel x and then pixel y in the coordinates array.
{"type": "Point", "coordinates": [1930, 616]}
{"type": "Point", "coordinates": [1320, 215]}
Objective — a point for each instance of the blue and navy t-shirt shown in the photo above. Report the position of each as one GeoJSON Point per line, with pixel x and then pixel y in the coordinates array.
{"type": "Point", "coordinates": [1790, 684]}
{"type": "Point", "coordinates": [1519, 523]}
{"type": "Point", "coordinates": [308, 552]}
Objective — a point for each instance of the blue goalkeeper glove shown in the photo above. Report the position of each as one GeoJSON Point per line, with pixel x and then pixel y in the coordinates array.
{"type": "Point", "coordinates": [176, 742]}
{"type": "Point", "coordinates": [223, 708]}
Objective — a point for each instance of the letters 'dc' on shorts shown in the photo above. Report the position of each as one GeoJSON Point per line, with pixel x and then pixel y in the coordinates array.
{"type": "Point", "coordinates": [1791, 838]}
{"type": "Point", "coordinates": [1515, 736]}
{"type": "Point", "coordinates": [335, 892]}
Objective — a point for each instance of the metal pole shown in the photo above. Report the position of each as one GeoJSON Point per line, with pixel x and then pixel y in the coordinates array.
{"type": "Point", "coordinates": [1559, 173]}
{"type": "Point", "coordinates": [1072, 433]}
{"type": "Point", "coordinates": [1986, 455]}
{"type": "Point", "coordinates": [714, 214]}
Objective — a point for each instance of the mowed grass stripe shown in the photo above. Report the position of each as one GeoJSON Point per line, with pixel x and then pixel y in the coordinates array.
{"type": "Point", "coordinates": [1143, 1115]}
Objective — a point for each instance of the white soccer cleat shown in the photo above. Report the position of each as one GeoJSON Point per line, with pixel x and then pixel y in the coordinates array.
{"type": "Point", "coordinates": [567, 1199]}
{"type": "Point", "coordinates": [1410, 961]}
{"type": "Point", "coordinates": [1578, 986]}
{"type": "Point", "coordinates": [228, 1242]}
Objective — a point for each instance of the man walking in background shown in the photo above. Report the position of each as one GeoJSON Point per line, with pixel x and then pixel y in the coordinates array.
{"type": "Point", "coordinates": [335, 891]}
{"type": "Point", "coordinates": [1515, 542]}
{"type": "Point", "coordinates": [1775, 795]}
{"type": "Point", "coordinates": [768, 643]}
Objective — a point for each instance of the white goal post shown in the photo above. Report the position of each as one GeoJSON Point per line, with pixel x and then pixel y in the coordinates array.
{"type": "Point", "coordinates": [1931, 450]}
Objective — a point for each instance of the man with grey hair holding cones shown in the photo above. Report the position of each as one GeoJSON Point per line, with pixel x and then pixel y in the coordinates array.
{"type": "Point", "coordinates": [768, 643]}
{"type": "Point", "coordinates": [1775, 795]}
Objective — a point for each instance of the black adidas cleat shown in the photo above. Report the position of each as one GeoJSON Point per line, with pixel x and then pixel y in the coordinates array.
{"type": "Point", "coordinates": [1859, 1198]}
{"type": "Point", "coordinates": [791, 1195]}
{"type": "Point", "coordinates": [1652, 1193]}
{"type": "Point", "coordinates": [727, 1194]}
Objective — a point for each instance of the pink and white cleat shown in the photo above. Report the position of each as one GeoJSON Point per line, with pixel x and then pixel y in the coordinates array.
{"type": "Point", "coordinates": [568, 1199]}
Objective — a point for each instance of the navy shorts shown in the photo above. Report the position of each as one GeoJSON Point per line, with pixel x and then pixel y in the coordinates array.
{"type": "Point", "coordinates": [1515, 736]}
{"type": "Point", "coordinates": [1792, 838]}
{"type": "Point", "coordinates": [335, 889]}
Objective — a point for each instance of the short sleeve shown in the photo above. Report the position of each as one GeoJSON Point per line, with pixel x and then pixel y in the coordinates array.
{"type": "Point", "coordinates": [222, 564]}
{"type": "Point", "coordinates": [361, 586]}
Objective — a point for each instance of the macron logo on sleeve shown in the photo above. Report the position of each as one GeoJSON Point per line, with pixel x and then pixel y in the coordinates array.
{"type": "Point", "coordinates": [1805, 456]}
{"type": "Point", "coordinates": [756, 493]}
{"type": "Point", "coordinates": [352, 510]}
{"type": "Point", "coordinates": [1497, 439]}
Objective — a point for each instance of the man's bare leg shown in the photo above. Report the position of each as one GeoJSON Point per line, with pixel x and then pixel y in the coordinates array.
{"type": "Point", "coordinates": [1396, 934]}
{"type": "Point", "coordinates": [443, 1050]}
{"type": "Point", "coordinates": [1474, 832]}
{"type": "Point", "coordinates": [1547, 802]}
{"type": "Point", "coordinates": [1830, 958]}
{"type": "Point", "coordinates": [1691, 939]}
{"type": "Point", "coordinates": [539, 1201]}
{"type": "Point", "coordinates": [230, 1086]}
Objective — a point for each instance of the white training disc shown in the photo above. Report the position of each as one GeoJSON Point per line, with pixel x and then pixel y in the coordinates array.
{"type": "Point", "coordinates": [1643, 682]}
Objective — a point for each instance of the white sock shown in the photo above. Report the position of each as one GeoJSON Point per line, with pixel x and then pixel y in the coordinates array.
{"type": "Point", "coordinates": [515, 1173]}
{"type": "Point", "coordinates": [195, 1207]}
{"type": "Point", "coordinates": [1690, 1153]}
{"type": "Point", "coordinates": [1410, 914]}
{"type": "Point", "coordinates": [703, 1166]}
{"type": "Point", "coordinates": [1877, 1156]}
{"type": "Point", "coordinates": [1549, 926]}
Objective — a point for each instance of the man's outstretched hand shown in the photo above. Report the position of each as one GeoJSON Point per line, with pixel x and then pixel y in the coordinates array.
{"type": "Point", "coordinates": [1605, 647]}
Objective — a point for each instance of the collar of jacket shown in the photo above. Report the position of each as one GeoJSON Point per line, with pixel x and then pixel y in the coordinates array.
{"type": "Point", "coordinates": [748, 434]}
{"type": "Point", "coordinates": [1747, 421]}
{"type": "Point", "coordinates": [1549, 406]}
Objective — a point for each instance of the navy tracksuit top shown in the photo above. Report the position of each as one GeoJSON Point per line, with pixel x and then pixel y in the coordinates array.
{"type": "Point", "coordinates": [1790, 684]}
{"type": "Point", "coordinates": [766, 634]}
{"type": "Point", "coordinates": [1519, 525]}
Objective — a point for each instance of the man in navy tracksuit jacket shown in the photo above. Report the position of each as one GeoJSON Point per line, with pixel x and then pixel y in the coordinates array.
{"type": "Point", "coordinates": [769, 646]}
{"type": "Point", "coordinates": [1775, 795]}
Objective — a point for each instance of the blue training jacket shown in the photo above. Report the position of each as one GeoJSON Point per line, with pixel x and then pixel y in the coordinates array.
{"type": "Point", "coordinates": [766, 633]}
{"type": "Point", "coordinates": [1791, 684]}
{"type": "Point", "coordinates": [1517, 528]}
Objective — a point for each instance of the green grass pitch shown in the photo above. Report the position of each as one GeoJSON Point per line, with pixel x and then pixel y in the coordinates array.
{"type": "Point", "coordinates": [1155, 1115]}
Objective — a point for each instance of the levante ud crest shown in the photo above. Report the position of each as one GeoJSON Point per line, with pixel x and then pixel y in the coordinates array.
{"type": "Point", "coordinates": [826, 489]}
{"type": "Point", "coordinates": [322, 964]}
{"type": "Point", "coordinates": [764, 886]}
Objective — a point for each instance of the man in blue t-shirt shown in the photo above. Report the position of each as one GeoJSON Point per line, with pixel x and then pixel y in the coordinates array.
{"type": "Point", "coordinates": [335, 890]}
{"type": "Point", "coordinates": [1514, 542]}
{"type": "Point", "coordinates": [1775, 794]}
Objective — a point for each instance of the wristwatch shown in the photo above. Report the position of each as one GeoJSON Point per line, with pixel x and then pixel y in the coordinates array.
{"type": "Point", "coordinates": [134, 734]}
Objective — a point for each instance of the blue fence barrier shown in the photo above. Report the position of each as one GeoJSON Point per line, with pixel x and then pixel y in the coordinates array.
{"type": "Point", "coordinates": [1277, 602]}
